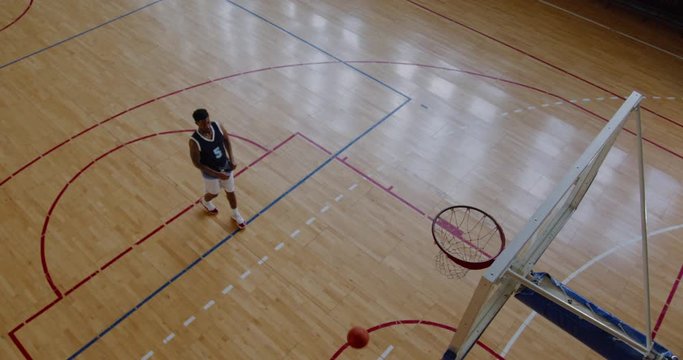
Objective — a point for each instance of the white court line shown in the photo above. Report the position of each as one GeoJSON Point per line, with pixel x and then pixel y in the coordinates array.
{"type": "Point", "coordinates": [578, 271]}
{"type": "Point", "coordinates": [386, 353]}
{"type": "Point", "coordinates": [577, 101]}
{"type": "Point", "coordinates": [613, 30]}
{"type": "Point", "coordinates": [147, 356]}
{"type": "Point", "coordinates": [245, 274]}
{"type": "Point", "coordinates": [209, 304]}
{"type": "Point", "coordinates": [227, 289]}
{"type": "Point", "coordinates": [169, 338]}
{"type": "Point", "coordinates": [189, 321]}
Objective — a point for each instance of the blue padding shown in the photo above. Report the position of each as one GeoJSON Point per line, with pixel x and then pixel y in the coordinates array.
{"type": "Point", "coordinates": [589, 334]}
{"type": "Point", "coordinates": [448, 355]}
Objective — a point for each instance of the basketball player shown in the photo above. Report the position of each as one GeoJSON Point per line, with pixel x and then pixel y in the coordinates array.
{"type": "Point", "coordinates": [211, 153]}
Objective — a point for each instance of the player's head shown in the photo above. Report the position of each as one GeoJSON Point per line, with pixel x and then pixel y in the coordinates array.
{"type": "Point", "coordinates": [199, 115]}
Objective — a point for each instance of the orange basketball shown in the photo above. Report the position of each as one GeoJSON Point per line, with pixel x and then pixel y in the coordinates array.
{"type": "Point", "coordinates": [357, 337]}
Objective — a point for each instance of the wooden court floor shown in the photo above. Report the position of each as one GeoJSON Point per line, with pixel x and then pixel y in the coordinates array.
{"type": "Point", "coordinates": [352, 122]}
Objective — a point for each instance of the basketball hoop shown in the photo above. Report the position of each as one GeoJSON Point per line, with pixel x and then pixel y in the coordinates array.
{"type": "Point", "coordinates": [468, 239]}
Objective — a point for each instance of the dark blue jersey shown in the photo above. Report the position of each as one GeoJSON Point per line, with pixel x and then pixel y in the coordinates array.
{"type": "Point", "coordinates": [212, 151]}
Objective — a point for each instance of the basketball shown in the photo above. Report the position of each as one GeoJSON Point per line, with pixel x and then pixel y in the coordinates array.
{"type": "Point", "coordinates": [357, 337]}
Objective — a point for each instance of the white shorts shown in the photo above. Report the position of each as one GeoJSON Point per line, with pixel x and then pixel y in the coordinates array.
{"type": "Point", "coordinates": [213, 185]}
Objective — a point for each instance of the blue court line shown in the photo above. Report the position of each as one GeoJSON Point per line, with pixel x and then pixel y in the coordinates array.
{"type": "Point", "coordinates": [318, 48]}
{"type": "Point", "coordinates": [77, 35]}
{"type": "Point", "coordinates": [231, 235]}
{"type": "Point", "coordinates": [267, 207]}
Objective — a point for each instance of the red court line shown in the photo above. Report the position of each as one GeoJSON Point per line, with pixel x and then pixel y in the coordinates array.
{"type": "Point", "coordinates": [274, 68]}
{"type": "Point", "coordinates": [43, 256]}
{"type": "Point", "coordinates": [30, 3]}
{"type": "Point", "coordinates": [269, 68]}
{"type": "Point", "coordinates": [415, 322]}
{"type": "Point", "coordinates": [576, 105]}
{"type": "Point", "coordinates": [389, 191]}
{"type": "Point", "coordinates": [18, 344]}
{"type": "Point", "coordinates": [12, 333]}
{"type": "Point", "coordinates": [665, 308]}
{"type": "Point", "coordinates": [547, 63]}
{"type": "Point", "coordinates": [116, 258]}
{"type": "Point", "coordinates": [24, 167]}
{"type": "Point", "coordinates": [46, 222]}
{"type": "Point", "coordinates": [365, 176]}
{"type": "Point", "coordinates": [80, 283]}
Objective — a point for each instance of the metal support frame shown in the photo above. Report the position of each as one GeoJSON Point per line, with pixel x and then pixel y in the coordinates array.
{"type": "Point", "coordinates": [558, 297]}
{"type": "Point", "coordinates": [546, 222]}
{"type": "Point", "coordinates": [643, 228]}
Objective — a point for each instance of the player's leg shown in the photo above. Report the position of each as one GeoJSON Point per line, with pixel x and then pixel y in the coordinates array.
{"type": "Point", "coordinates": [229, 187]}
{"type": "Point", "coordinates": [211, 186]}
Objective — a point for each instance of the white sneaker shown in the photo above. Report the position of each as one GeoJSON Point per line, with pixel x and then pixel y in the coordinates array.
{"type": "Point", "coordinates": [209, 206]}
{"type": "Point", "coordinates": [237, 217]}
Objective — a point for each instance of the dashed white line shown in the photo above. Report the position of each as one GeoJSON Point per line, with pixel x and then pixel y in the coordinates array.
{"type": "Point", "coordinates": [209, 304]}
{"type": "Point", "coordinates": [189, 321]}
{"type": "Point", "coordinates": [601, 98]}
{"type": "Point", "coordinates": [353, 187]}
{"type": "Point", "coordinates": [294, 234]}
{"type": "Point", "coordinates": [386, 353]}
{"type": "Point", "coordinates": [310, 221]}
{"type": "Point", "coordinates": [338, 198]}
{"type": "Point", "coordinates": [263, 260]}
{"type": "Point", "coordinates": [169, 338]}
{"type": "Point", "coordinates": [245, 274]}
{"type": "Point", "coordinates": [327, 207]}
{"type": "Point", "coordinates": [147, 356]}
{"type": "Point", "coordinates": [279, 246]}
{"type": "Point", "coordinates": [227, 289]}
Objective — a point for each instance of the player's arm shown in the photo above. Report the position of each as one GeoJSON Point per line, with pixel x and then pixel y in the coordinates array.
{"type": "Point", "coordinates": [194, 155]}
{"type": "Point", "coordinates": [228, 147]}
